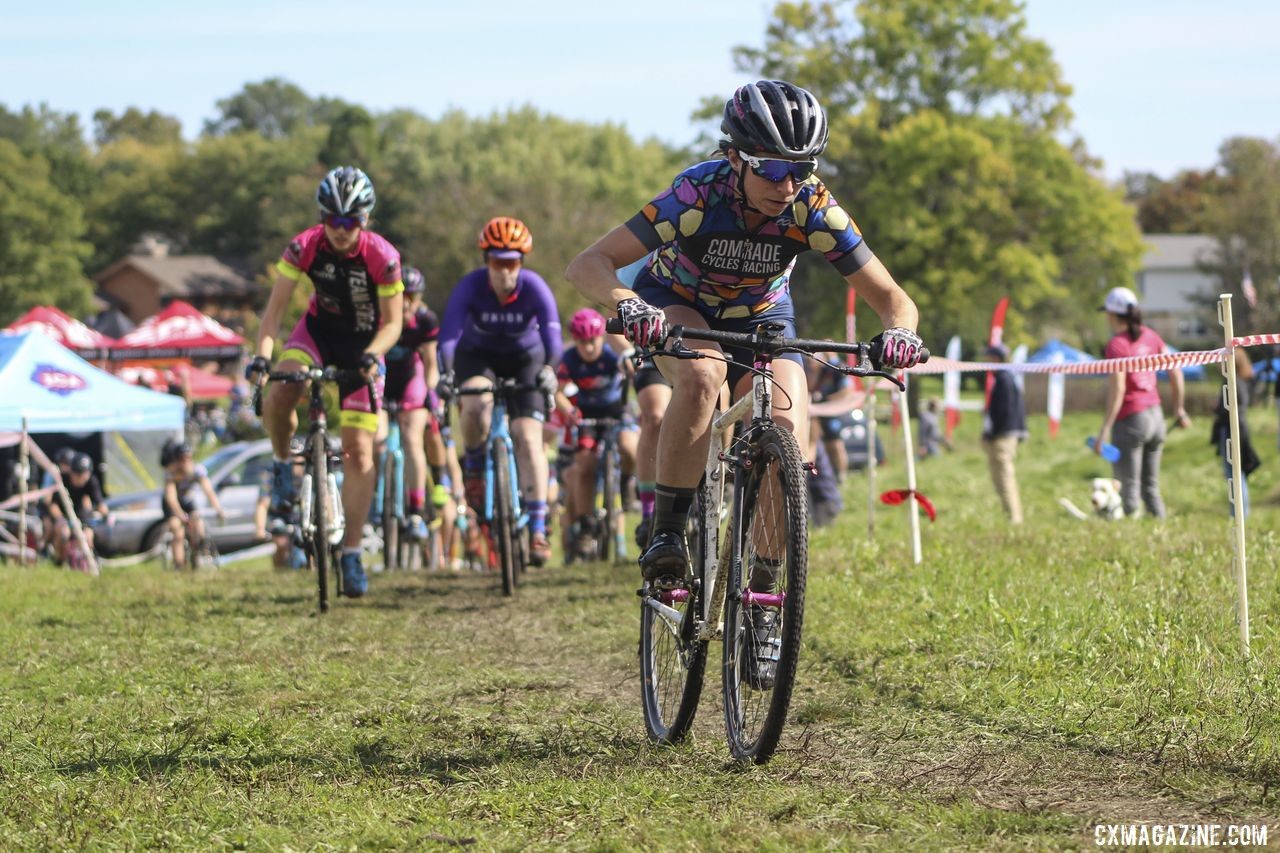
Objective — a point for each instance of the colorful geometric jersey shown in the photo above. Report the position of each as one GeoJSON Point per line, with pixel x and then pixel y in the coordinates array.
{"type": "Point", "coordinates": [599, 382]}
{"type": "Point", "coordinates": [344, 302]}
{"type": "Point", "coordinates": [707, 255]}
{"type": "Point", "coordinates": [420, 327]}
{"type": "Point", "coordinates": [526, 321]}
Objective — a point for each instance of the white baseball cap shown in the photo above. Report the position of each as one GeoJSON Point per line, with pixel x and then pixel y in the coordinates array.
{"type": "Point", "coordinates": [1119, 300]}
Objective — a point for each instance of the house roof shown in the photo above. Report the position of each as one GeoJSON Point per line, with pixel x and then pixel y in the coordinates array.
{"type": "Point", "coordinates": [1178, 251]}
{"type": "Point", "coordinates": [184, 276]}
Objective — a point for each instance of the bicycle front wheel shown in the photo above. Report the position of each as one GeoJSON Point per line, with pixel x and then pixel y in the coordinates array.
{"type": "Point", "coordinates": [389, 521]}
{"type": "Point", "coordinates": [320, 512]}
{"type": "Point", "coordinates": [612, 507]}
{"type": "Point", "coordinates": [764, 605]}
{"type": "Point", "coordinates": [504, 532]}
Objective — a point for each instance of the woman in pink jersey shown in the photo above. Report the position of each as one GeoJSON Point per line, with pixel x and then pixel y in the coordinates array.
{"type": "Point", "coordinates": [1133, 419]}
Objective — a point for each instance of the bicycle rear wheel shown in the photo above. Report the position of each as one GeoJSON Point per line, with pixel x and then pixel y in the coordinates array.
{"type": "Point", "coordinates": [320, 512]}
{"type": "Point", "coordinates": [504, 532]}
{"type": "Point", "coordinates": [389, 521]}
{"type": "Point", "coordinates": [764, 604]}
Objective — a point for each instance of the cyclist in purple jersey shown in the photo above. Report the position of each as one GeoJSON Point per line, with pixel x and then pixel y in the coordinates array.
{"type": "Point", "coordinates": [354, 316]}
{"type": "Point", "coordinates": [502, 322]}
{"type": "Point", "coordinates": [412, 376]}
{"type": "Point", "coordinates": [724, 237]}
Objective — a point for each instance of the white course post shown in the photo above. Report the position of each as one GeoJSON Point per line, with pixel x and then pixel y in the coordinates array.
{"type": "Point", "coordinates": [869, 405]}
{"type": "Point", "coordinates": [1237, 474]}
{"type": "Point", "coordinates": [911, 473]}
{"type": "Point", "coordinates": [23, 458]}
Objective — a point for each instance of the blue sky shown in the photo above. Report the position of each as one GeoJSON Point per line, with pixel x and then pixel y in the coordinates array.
{"type": "Point", "coordinates": [1159, 84]}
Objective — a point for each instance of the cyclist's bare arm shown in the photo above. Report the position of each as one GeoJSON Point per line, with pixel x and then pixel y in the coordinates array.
{"type": "Point", "coordinates": [594, 272]}
{"type": "Point", "coordinates": [277, 304]}
{"type": "Point", "coordinates": [894, 307]}
{"type": "Point", "coordinates": [392, 310]}
{"type": "Point", "coordinates": [430, 364]}
{"type": "Point", "coordinates": [171, 498]}
{"type": "Point", "coordinates": [211, 495]}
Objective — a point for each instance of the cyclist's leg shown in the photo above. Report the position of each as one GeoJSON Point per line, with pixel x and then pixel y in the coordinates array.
{"type": "Point", "coordinates": [413, 425]}
{"type": "Point", "coordinates": [682, 446]}
{"type": "Point", "coordinates": [177, 541]}
{"type": "Point", "coordinates": [279, 409]}
{"type": "Point", "coordinates": [472, 371]}
{"type": "Point", "coordinates": [358, 475]}
{"type": "Point", "coordinates": [195, 524]}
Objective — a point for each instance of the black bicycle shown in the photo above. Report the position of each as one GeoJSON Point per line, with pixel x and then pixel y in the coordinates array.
{"type": "Point", "coordinates": [319, 516]}
{"type": "Point", "coordinates": [749, 564]}
{"type": "Point", "coordinates": [606, 512]}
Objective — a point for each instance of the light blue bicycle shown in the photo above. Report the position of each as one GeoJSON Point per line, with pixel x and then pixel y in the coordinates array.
{"type": "Point", "coordinates": [504, 518]}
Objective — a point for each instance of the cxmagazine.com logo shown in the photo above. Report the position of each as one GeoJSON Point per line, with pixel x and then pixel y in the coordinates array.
{"type": "Point", "coordinates": [57, 380]}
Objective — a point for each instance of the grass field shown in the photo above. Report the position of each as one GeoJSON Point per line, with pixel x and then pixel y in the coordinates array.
{"type": "Point", "coordinates": [1014, 690]}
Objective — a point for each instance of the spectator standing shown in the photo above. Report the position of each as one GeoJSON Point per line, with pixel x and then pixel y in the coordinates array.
{"type": "Point", "coordinates": [1004, 424]}
{"type": "Point", "coordinates": [930, 435]}
{"type": "Point", "coordinates": [1221, 431]}
{"type": "Point", "coordinates": [1133, 419]}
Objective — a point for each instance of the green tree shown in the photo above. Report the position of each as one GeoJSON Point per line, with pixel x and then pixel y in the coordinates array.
{"type": "Point", "coordinates": [58, 138]}
{"type": "Point", "coordinates": [945, 120]}
{"type": "Point", "coordinates": [1245, 220]}
{"type": "Point", "coordinates": [151, 127]}
{"type": "Point", "coordinates": [41, 250]}
{"type": "Point", "coordinates": [134, 194]}
{"type": "Point", "coordinates": [1180, 205]}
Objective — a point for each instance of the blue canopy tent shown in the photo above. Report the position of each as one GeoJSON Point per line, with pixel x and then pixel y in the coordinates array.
{"type": "Point", "coordinates": [68, 402]}
{"type": "Point", "coordinates": [1055, 351]}
{"type": "Point", "coordinates": [58, 391]}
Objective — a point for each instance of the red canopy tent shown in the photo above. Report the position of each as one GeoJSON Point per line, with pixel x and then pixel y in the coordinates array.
{"type": "Point", "coordinates": [66, 330]}
{"type": "Point", "coordinates": [179, 331]}
{"type": "Point", "coordinates": [200, 384]}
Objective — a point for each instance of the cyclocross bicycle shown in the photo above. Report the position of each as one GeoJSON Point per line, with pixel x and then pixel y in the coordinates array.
{"type": "Point", "coordinates": [400, 548]}
{"type": "Point", "coordinates": [748, 565]}
{"type": "Point", "coordinates": [504, 514]}
{"type": "Point", "coordinates": [322, 523]}
{"type": "Point", "coordinates": [607, 507]}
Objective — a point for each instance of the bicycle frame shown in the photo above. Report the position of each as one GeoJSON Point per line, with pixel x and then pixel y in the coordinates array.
{"type": "Point", "coordinates": [500, 430]}
{"type": "Point", "coordinates": [393, 457]}
{"type": "Point", "coordinates": [607, 447]}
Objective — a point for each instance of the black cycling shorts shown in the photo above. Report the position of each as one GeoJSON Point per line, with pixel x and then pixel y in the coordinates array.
{"type": "Point", "coordinates": [521, 366]}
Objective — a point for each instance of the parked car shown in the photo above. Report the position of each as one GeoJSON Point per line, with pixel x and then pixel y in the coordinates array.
{"type": "Point", "coordinates": [853, 432]}
{"type": "Point", "coordinates": [236, 472]}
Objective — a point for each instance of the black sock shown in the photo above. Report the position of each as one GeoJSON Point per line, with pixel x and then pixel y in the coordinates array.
{"type": "Point", "coordinates": [671, 508]}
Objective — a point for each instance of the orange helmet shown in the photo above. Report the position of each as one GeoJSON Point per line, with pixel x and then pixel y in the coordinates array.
{"type": "Point", "coordinates": [505, 237]}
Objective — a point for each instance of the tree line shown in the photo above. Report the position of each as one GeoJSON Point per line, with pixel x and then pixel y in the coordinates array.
{"type": "Point", "coordinates": [951, 146]}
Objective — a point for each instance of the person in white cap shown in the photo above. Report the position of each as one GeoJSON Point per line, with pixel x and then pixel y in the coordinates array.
{"type": "Point", "coordinates": [1133, 419]}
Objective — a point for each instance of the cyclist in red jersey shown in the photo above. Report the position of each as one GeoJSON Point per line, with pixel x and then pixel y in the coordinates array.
{"type": "Point", "coordinates": [354, 317]}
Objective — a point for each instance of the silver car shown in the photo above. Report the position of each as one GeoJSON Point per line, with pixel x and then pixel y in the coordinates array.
{"type": "Point", "coordinates": [237, 472]}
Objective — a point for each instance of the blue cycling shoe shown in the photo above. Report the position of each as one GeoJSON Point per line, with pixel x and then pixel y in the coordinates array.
{"type": "Point", "coordinates": [354, 582]}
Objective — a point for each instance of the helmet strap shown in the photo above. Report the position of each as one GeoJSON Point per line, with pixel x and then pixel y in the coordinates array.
{"type": "Point", "coordinates": [742, 191]}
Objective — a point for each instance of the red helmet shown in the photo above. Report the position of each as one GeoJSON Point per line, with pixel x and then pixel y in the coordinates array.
{"type": "Point", "coordinates": [505, 237]}
{"type": "Point", "coordinates": [586, 324]}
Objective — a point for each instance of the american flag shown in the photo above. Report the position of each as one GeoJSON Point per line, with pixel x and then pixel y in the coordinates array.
{"type": "Point", "coordinates": [1249, 291]}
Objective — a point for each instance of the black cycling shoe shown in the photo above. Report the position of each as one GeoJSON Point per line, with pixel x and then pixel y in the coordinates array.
{"type": "Point", "coordinates": [643, 529]}
{"type": "Point", "coordinates": [761, 648]}
{"type": "Point", "coordinates": [667, 557]}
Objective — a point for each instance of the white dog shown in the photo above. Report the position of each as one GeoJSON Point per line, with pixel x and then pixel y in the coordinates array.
{"type": "Point", "coordinates": [1104, 495]}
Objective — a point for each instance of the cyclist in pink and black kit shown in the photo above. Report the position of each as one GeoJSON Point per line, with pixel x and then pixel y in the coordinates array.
{"type": "Point", "coordinates": [502, 322]}
{"type": "Point", "coordinates": [412, 376]}
{"type": "Point", "coordinates": [354, 317]}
